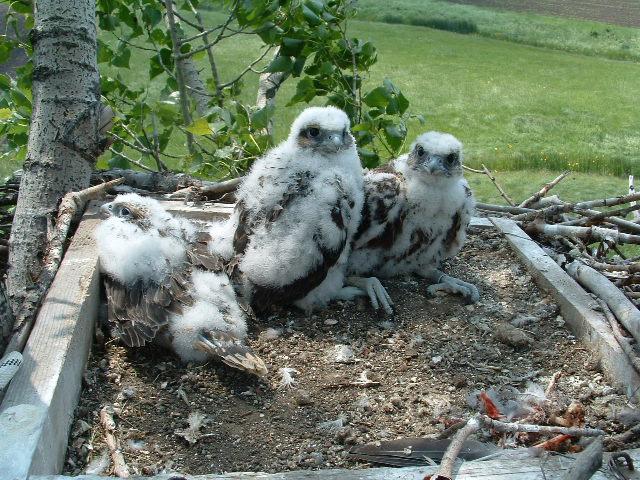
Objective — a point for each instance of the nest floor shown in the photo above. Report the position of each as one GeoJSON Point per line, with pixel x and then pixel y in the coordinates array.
{"type": "Point", "coordinates": [425, 367]}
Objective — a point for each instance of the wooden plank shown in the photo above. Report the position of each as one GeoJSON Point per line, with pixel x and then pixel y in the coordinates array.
{"type": "Point", "coordinates": [37, 409]}
{"type": "Point", "coordinates": [554, 468]}
{"type": "Point", "coordinates": [481, 223]}
{"type": "Point", "coordinates": [205, 211]}
{"type": "Point", "coordinates": [576, 305]}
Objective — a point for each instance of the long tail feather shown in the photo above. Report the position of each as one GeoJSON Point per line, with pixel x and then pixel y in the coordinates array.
{"type": "Point", "coordinates": [232, 352]}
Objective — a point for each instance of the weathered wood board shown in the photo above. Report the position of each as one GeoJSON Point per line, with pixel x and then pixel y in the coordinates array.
{"type": "Point", "coordinates": [37, 409]}
{"type": "Point", "coordinates": [576, 305]}
{"type": "Point", "coordinates": [550, 468]}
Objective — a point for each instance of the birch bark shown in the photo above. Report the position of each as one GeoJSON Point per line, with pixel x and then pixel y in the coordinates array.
{"type": "Point", "coordinates": [65, 136]}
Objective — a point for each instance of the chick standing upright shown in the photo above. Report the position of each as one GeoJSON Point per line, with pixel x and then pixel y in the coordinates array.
{"type": "Point", "coordinates": [297, 211]}
{"type": "Point", "coordinates": [162, 286]}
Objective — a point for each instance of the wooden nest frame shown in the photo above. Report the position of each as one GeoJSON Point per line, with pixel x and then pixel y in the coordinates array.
{"type": "Point", "coordinates": [38, 408]}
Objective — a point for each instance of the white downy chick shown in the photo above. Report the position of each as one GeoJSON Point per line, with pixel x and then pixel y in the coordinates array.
{"type": "Point", "coordinates": [158, 288]}
{"type": "Point", "coordinates": [416, 212]}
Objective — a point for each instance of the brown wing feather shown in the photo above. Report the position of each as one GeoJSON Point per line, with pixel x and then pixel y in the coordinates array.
{"type": "Point", "coordinates": [139, 311]}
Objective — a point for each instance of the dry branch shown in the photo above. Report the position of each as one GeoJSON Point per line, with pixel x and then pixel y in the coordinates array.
{"type": "Point", "coordinates": [589, 234]}
{"type": "Point", "coordinates": [475, 423]}
{"type": "Point", "coordinates": [503, 194]}
{"type": "Point", "coordinates": [109, 425]}
{"type": "Point", "coordinates": [625, 311]}
{"type": "Point", "coordinates": [504, 209]}
{"type": "Point", "coordinates": [608, 202]}
{"type": "Point", "coordinates": [543, 191]}
{"type": "Point", "coordinates": [624, 342]}
{"type": "Point", "coordinates": [72, 205]}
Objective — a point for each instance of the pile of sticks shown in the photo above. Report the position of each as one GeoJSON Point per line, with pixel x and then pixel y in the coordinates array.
{"type": "Point", "coordinates": [593, 240]}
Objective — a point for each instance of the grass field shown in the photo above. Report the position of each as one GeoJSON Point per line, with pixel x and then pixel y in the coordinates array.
{"type": "Point", "coordinates": [561, 33]}
{"type": "Point", "coordinates": [514, 106]}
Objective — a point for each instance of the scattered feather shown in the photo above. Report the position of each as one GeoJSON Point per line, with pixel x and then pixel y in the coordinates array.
{"type": "Point", "coordinates": [286, 377]}
{"type": "Point", "coordinates": [192, 433]}
{"type": "Point", "coordinates": [341, 354]}
{"type": "Point", "coordinates": [270, 334]}
{"type": "Point", "coordinates": [98, 464]}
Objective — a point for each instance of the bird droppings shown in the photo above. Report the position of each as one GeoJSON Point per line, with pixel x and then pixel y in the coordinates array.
{"type": "Point", "coordinates": [393, 390]}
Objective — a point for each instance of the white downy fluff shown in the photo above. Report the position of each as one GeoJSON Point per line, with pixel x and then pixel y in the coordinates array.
{"type": "Point", "coordinates": [215, 308]}
{"type": "Point", "coordinates": [422, 202]}
{"type": "Point", "coordinates": [282, 251]}
{"type": "Point", "coordinates": [151, 244]}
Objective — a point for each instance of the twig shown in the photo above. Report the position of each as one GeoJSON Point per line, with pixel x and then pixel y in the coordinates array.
{"type": "Point", "coordinates": [109, 425]}
{"type": "Point", "coordinates": [469, 169]}
{"type": "Point", "coordinates": [504, 209]}
{"type": "Point", "coordinates": [495, 182]}
{"type": "Point", "coordinates": [543, 191]}
{"type": "Point", "coordinates": [587, 463]}
{"type": "Point", "coordinates": [72, 205]}
{"type": "Point", "coordinates": [622, 308]}
{"type": "Point", "coordinates": [184, 102]}
{"type": "Point", "coordinates": [626, 436]}
{"type": "Point", "coordinates": [624, 342]}
{"type": "Point", "coordinates": [445, 471]}
{"type": "Point", "coordinates": [608, 202]}
{"type": "Point", "coordinates": [500, 426]}
{"type": "Point", "coordinates": [137, 163]}
{"type": "Point", "coordinates": [632, 190]}
{"type": "Point", "coordinates": [552, 383]}
{"type": "Point", "coordinates": [590, 234]}
{"type": "Point", "coordinates": [208, 189]}
{"type": "Point", "coordinates": [475, 423]}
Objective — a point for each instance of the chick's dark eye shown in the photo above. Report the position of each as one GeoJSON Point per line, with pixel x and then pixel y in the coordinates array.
{"type": "Point", "coordinates": [125, 212]}
{"type": "Point", "coordinates": [420, 151]}
{"type": "Point", "coordinates": [313, 132]}
{"type": "Point", "coordinates": [452, 158]}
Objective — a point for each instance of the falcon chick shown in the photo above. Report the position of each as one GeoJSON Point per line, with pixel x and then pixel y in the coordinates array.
{"type": "Point", "coordinates": [296, 213]}
{"type": "Point", "coordinates": [416, 212]}
{"type": "Point", "coordinates": [158, 287]}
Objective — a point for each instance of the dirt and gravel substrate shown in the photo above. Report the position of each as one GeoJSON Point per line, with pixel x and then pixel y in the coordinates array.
{"type": "Point", "coordinates": [425, 365]}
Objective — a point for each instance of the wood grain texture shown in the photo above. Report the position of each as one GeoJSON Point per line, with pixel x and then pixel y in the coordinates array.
{"type": "Point", "coordinates": [498, 469]}
{"type": "Point", "coordinates": [576, 305]}
{"type": "Point", "coordinates": [38, 406]}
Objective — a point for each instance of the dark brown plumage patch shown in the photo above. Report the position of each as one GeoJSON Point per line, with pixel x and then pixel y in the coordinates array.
{"type": "Point", "coordinates": [419, 240]}
{"type": "Point", "coordinates": [388, 236]}
{"type": "Point", "coordinates": [452, 233]}
{"type": "Point", "coordinates": [263, 297]}
{"type": "Point", "coordinates": [365, 221]}
{"type": "Point", "coordinates": [468, 191]}
{"type": "Point", "coordinates": [243, 229]}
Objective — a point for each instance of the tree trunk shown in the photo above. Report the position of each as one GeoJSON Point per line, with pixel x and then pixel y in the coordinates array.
{"type": "Point", "coordinates": [65, 138]}
{"type": "Point", "coordinates": [187, 67]}
{"type": "Point", "coordinates": [268, 87]}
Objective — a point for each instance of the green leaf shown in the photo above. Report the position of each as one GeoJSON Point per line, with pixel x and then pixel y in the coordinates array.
{"type": "Point", "coordinates": [21, 7]}
{"type": "Point", "coordinates": [316, 5]}
{"type": "Point", "coordinates": [105, 54]}
{"type": "Point", "coordinates": [403, 103]}
{"type": "Point", "coordinates": [378, 97]}
{"type": "Point", "coordinates": [151, 15]}
{"type": "Point", "coordinates": [200, 127]}
{"type": "Point", "coordinates": [260, 119]}
{"type": "Point", "coordinates": [305, 91]}
{"type": "Point", "coordinates": [292, 46]}
{"type": "Point", "coordinates": [394, 135]}
{"type": "Point", "coordinates": [310, 16]}
{"type": "Point", "coordinates": [5, 113]}
{"type": "Point", "coordinates": [122, 58]}
{"type": "Point", "coordinates": [280, 64]}
{"type": "Point", "coordinates": [118, 161]}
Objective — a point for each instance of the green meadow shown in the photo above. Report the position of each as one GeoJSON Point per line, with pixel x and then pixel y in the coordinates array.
{"type": "Point", "coordinates": [523, 110]}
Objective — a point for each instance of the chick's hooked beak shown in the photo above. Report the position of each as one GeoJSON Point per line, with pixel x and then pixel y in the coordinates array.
{"type": "Point", "coordinates": [436, 165]}
{"type": "Point", "coordinates": [336, 141]}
